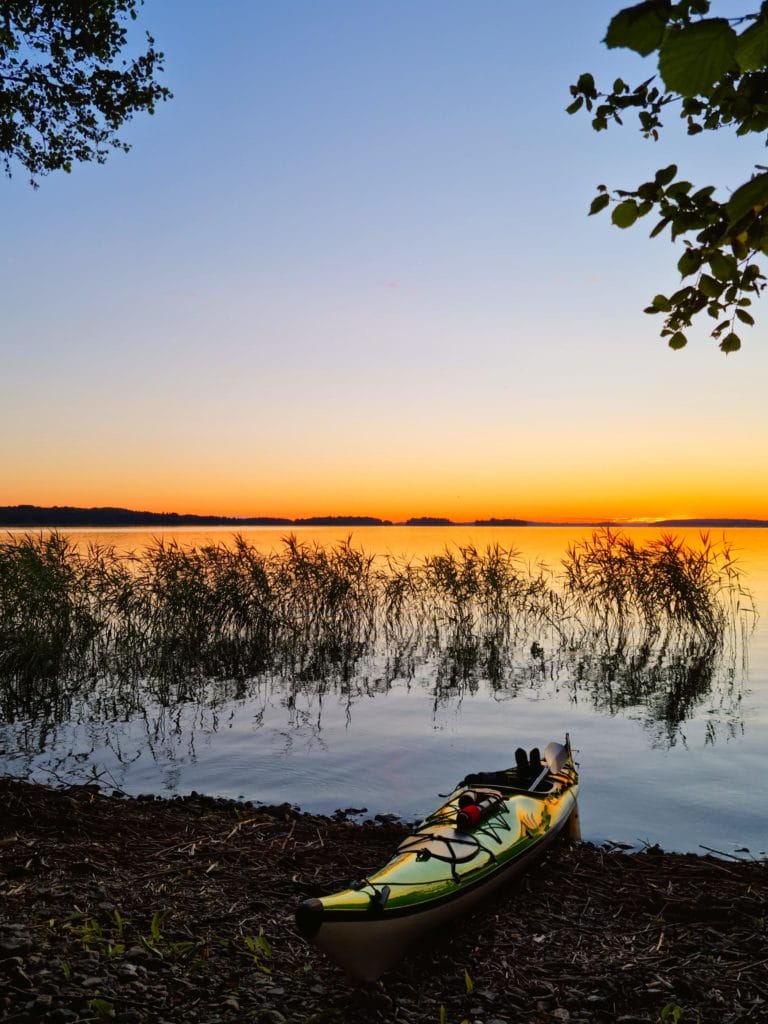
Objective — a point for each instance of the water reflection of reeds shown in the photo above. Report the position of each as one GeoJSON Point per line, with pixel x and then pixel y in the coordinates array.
{"type": "Point", "coordinates": [659, 626]}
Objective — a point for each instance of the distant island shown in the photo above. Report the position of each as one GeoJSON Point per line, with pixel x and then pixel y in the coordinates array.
{"type": "Point", "coordinates": [341, 521]}
{"type": "Point", "coordinates": [36, 516]}
{"type": "Point", "coordinates": [66, 515]}
{"type": "Point", "coordinates": [429, 521]}
{"type": "Point", "coordinates": [504, 522]}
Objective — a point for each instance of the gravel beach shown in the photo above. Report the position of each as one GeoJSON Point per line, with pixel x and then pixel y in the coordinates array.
{"type": "Point", "coordinates": [170, 910]}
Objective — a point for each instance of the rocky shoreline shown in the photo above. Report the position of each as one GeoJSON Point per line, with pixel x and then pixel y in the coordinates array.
{"type": "Point", "coordinates": [163, 911]}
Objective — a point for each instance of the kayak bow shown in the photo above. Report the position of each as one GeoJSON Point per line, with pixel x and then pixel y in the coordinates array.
{"type": "Point", "coordinates": [489, 831]}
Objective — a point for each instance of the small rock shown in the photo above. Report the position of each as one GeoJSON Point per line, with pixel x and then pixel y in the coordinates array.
{"type": "Point", "coordinates": [14, 942]}
{"type": "Point", "coordinates": [380, 1001]}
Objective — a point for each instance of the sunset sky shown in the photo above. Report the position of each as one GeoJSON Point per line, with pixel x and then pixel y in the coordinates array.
{"type": "Point", "coordinates": [348, 270]}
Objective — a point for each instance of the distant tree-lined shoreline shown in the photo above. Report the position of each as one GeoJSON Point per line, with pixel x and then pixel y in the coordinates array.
{"type": "Point", "coordinates": [67, 516]}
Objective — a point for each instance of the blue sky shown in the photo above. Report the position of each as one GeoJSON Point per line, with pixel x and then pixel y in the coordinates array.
{"type": "Point", "coordinates": [348, 268]}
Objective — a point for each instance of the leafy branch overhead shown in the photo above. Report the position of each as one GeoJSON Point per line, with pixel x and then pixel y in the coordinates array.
{"type": "Point", "coordinates": [66, 84]}
{"type": "Point", "coordinates": [713, 72]}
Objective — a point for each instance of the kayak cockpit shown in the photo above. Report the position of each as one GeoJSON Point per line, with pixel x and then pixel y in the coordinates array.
{"type": "Point", "coordinates": [532, 773]}
{"type": "Point", "coordinates": [509, 782]}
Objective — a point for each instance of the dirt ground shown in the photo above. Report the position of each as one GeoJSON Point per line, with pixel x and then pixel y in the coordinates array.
{"type": "Point", "coordinates": [166, 911]}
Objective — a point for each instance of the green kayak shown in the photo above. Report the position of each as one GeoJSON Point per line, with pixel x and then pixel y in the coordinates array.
{"type": "Point", "coordinates": [490, 830]}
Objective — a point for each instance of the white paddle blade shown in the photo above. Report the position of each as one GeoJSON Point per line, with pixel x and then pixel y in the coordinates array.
{"type": "Point", "coordinates": [556, 756]}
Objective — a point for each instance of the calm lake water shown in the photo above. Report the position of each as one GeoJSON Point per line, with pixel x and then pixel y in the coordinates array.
{"type": "Point", "coordinates": [394, 744]}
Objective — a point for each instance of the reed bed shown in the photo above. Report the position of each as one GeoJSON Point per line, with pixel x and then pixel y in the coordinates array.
{"type": "Point", "coordinates": [620, 616]}
{"type": "Point", "coordinates": [659, 592]}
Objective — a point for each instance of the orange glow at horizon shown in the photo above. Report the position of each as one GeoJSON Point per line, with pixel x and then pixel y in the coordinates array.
{"type": "Point", "coordinates": [583, 475]}
{"type": "Point", "coordinates": [624, 502]}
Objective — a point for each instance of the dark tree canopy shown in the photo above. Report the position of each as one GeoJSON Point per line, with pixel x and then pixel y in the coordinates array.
{"type": "Point", "coordinates": [65, 89]}
{"type": "Point", "coordinates": [713, 72]}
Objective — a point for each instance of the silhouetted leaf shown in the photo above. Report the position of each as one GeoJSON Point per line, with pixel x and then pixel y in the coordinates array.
{"type": "Point", "coordinates": [693, 58]}
{"type": "Point", "coordinates": [678, 340]}
{"type": "Point", "coordinates": [639, 28]}
{"type": "Point", "coordinates": [659, 227]}
{"type": "Point", "coordinates": [599, 203]}
{"type": "Point", "coordinates": [689, 262]}
{"type": "Point", "coordinates": [709, 286]}
{"type": "Point", "coordinates": [723, 267]}
{"type": "Point", "coordinates": [625, 214]}
{"type": "Point", "coordinates": [751, 196]}
{"type": "Point", "coordinates": [752, 47]}
{"type": "Point", "coordinates": [679, 188]}
{"type": "Point", "coordinates": [745, 317]}
{"type": "Point", "coordinates": [739, 246]}
{"type": "Point", "coordinates": [662, 302]}
{"type": "Point", "coordinates": [730, 343]}
{"type": "Point", "coordinates": [665, 174]}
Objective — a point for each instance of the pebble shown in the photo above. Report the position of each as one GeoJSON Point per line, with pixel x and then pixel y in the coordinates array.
{"type": "Point", "coordinates": [380, 1001]}
{"type": "Point", "coordinates": [14, 940]}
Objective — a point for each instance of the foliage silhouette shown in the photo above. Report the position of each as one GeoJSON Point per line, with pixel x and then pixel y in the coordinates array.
{"type": "Point", "coordinates": [714, 70]}
{"type": "Point", "coordinates": [67, 85]}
